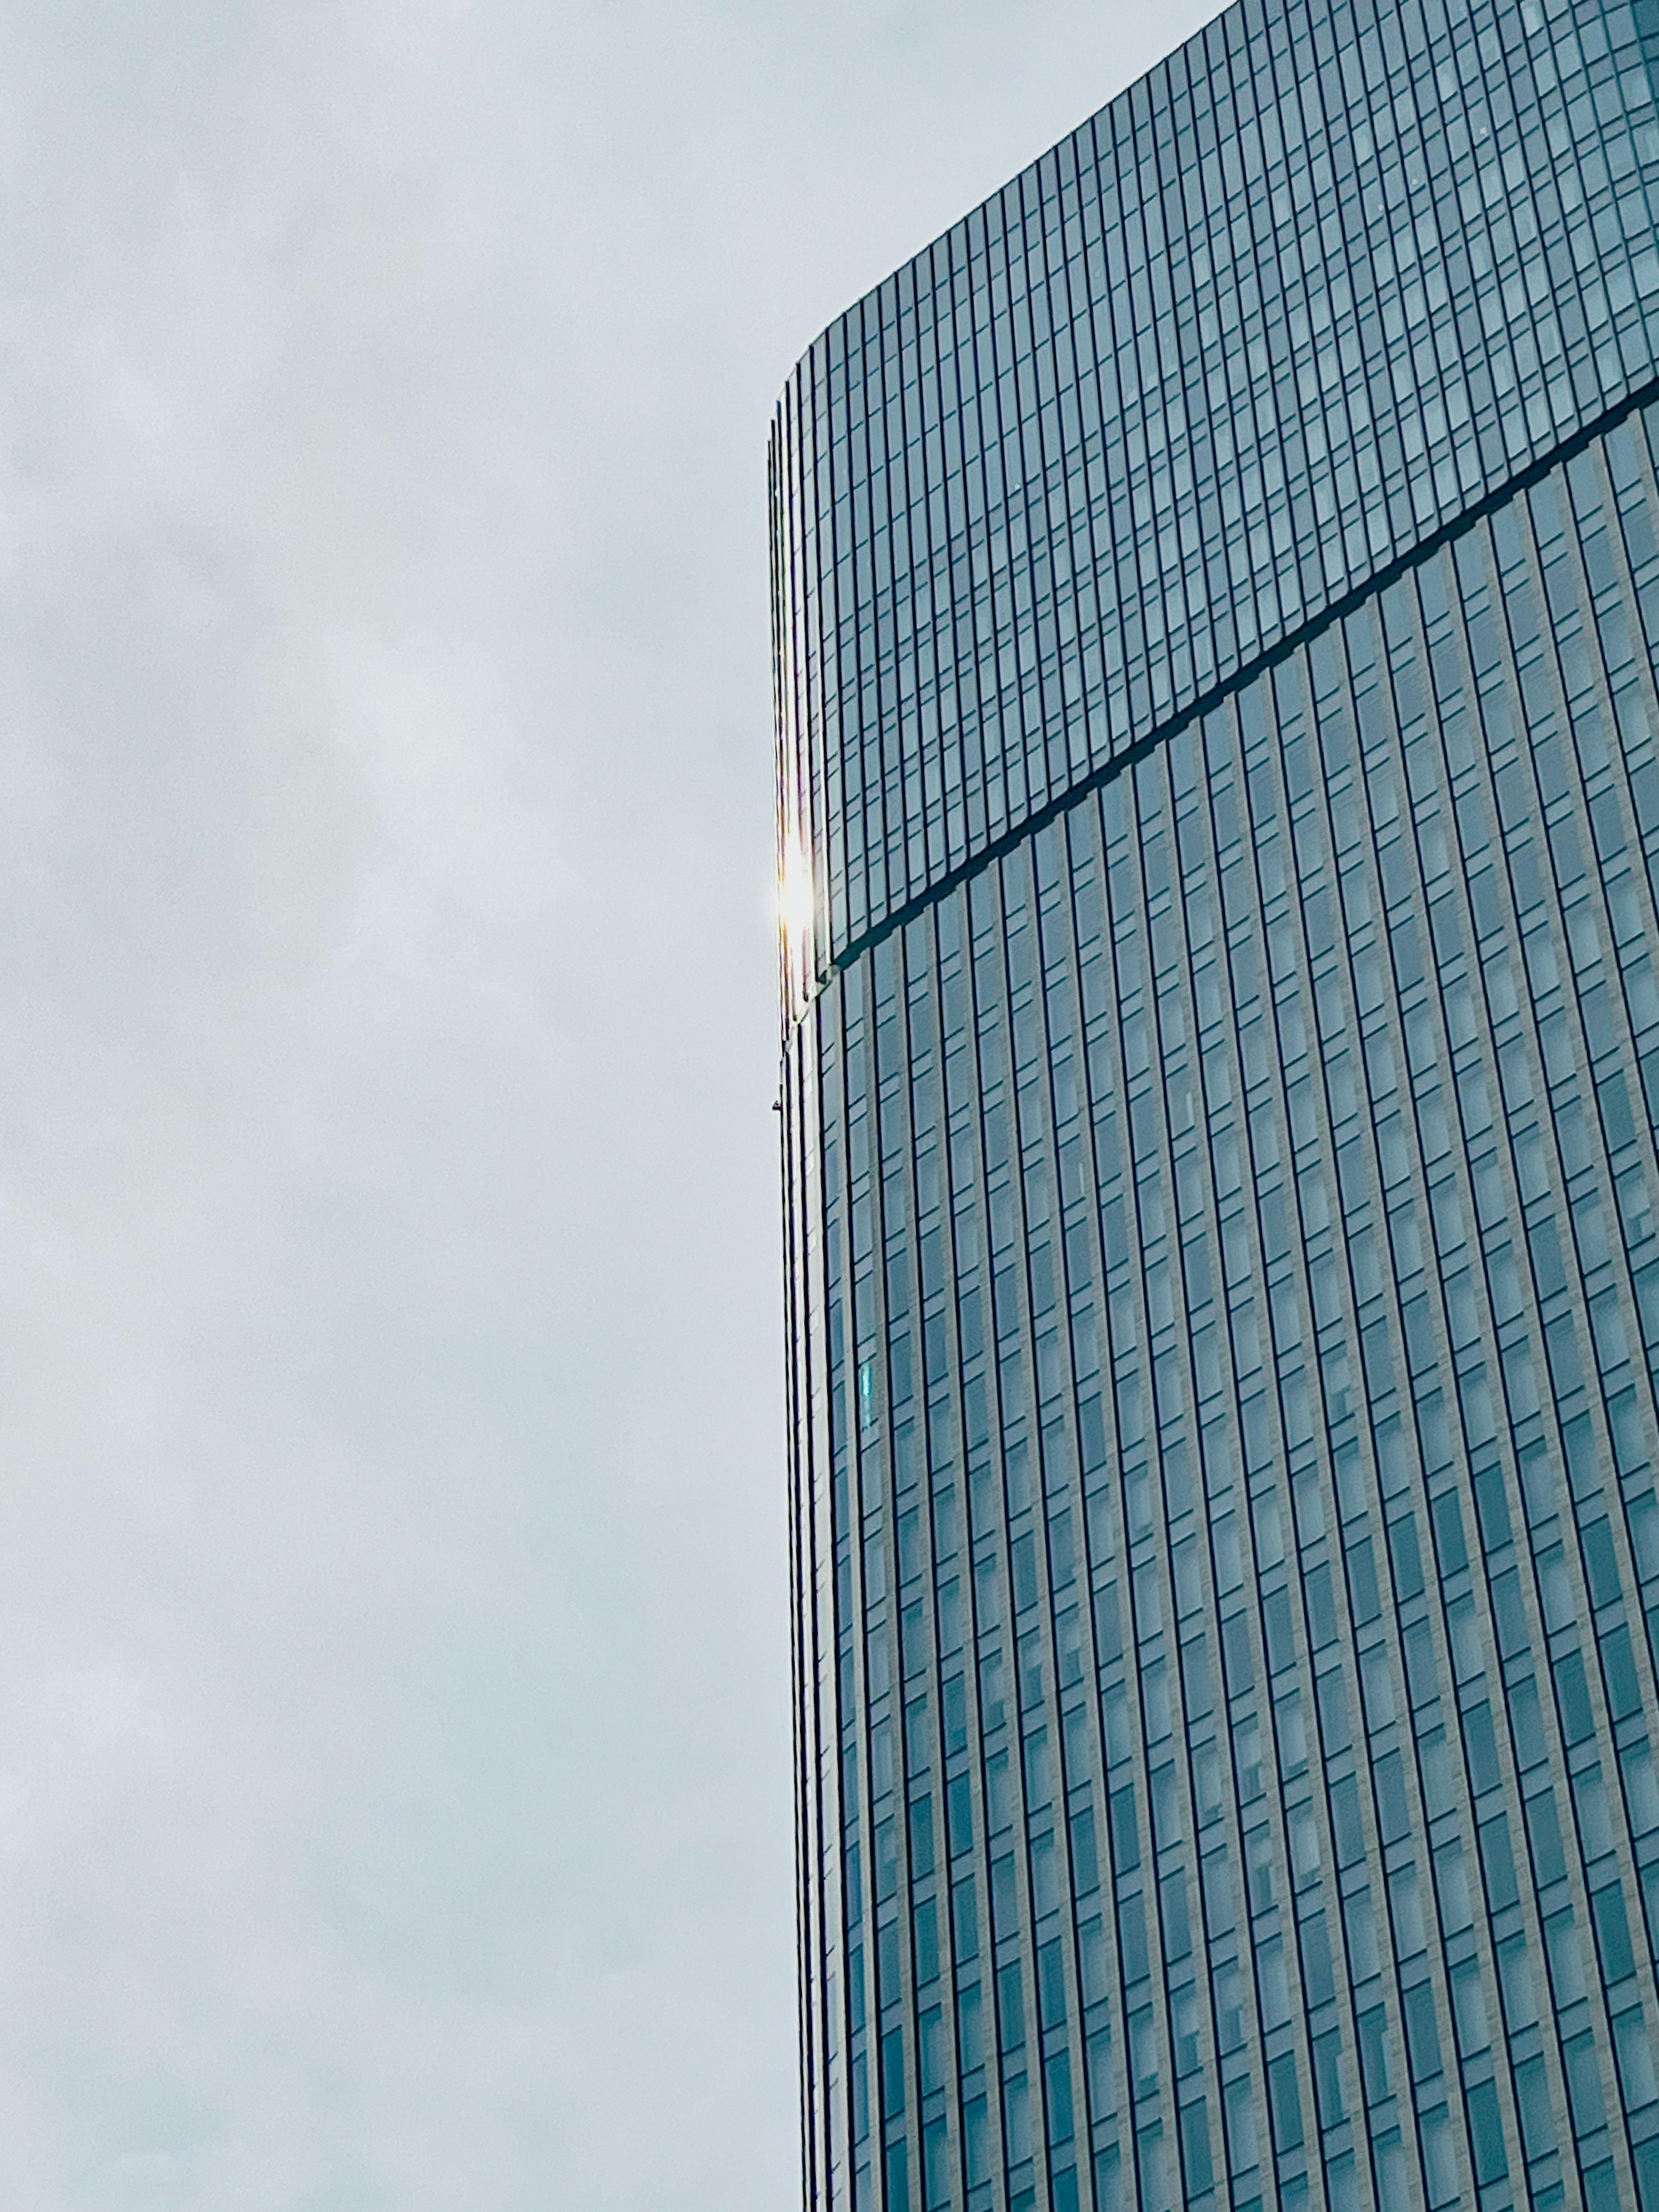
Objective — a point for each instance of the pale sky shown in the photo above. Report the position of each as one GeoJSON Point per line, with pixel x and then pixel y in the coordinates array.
{"type": "Point", "coordinates": [395, 1784]}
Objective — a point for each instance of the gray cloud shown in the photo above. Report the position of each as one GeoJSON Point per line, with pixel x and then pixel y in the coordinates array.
{"type": "Point", "coordinates": [394, 1742]}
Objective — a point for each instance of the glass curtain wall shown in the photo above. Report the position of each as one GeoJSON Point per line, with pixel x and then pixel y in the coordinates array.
{"type": "Point", "coordinates": [1224, 1302]}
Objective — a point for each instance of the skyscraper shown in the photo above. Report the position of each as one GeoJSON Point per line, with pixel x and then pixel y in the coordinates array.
{"type": "Point", "coordinates": [1217, 607]}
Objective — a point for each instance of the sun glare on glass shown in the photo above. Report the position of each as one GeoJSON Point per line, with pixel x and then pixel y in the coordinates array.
{"type": "Point", "coordinates": [795, 895]}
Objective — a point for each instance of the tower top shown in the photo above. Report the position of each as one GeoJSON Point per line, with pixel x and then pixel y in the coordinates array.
{"type": "Point", "coordinates": [1306, 295]}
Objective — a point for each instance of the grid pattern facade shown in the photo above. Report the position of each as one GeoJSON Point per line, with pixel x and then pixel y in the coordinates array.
{"type": "Point", "coordinates": [1223, 1294]}
{"type": "Point", "coordinates": [1309, 289]}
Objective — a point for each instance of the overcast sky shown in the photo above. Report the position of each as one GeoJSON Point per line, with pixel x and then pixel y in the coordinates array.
{"type": "Point", "coordinates": [394, 1713]}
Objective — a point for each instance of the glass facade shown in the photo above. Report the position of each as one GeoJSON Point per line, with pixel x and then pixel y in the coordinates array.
{"type": "Point", "coordinates": [1221, 1058]}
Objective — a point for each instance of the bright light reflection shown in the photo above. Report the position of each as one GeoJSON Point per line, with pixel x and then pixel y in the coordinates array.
{"type": "Point", "coordinates": [795, 894]}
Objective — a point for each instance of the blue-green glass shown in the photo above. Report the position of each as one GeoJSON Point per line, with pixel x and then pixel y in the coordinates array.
{"type": "Point", "coordinates": [1223, 1268]}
